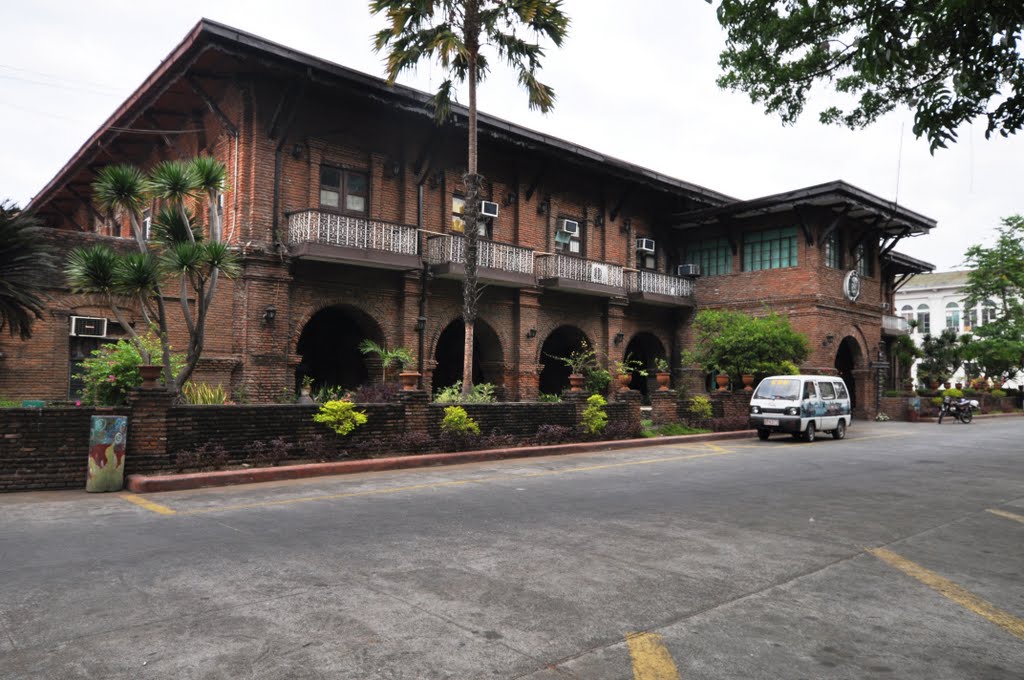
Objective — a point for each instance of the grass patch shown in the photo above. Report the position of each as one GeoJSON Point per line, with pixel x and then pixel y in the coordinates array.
{"type": "Point", "coordinates": [668, 429]}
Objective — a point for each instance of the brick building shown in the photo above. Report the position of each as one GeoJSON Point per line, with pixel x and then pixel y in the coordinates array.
{"type": "Point", "coordinates": [344, 204]}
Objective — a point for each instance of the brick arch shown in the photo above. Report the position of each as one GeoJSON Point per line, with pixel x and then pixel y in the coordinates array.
{"type": "Point", "coordinates": [547, 328]}
{"type": "Point", "coordinates": [311, 310]}
{"type": "Point", "coordinates": [855, 333]}
{"type": "Point", "coordinates": [558, 341]}
{"type": "Point", "coordinates": [328, 344]}
{"type": "Point", "coordinates": [489, 351]}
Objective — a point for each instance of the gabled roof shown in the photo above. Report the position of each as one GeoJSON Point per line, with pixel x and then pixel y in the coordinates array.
{"type": "Point", "coordinates": [208, 35]}
{"type": "Point", "coordinates": [838, 196]}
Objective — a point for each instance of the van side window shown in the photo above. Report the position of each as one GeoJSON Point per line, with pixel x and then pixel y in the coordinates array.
{"type": "Point", "coordinates": [841, 391]}
{"type": "Point", "coordinates": [827, 391]}
{"type": "Point", "coordinates": [809, 392]}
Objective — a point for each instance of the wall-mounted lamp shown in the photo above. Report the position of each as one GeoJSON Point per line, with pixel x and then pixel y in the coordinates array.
{"type": "Point", "coordinates": [421, 323]}
{"type": "Point", "coordinates": [435, 179]}
{"type": "Point", "coordinates": [394, 169]}
{"type": "Point", "coordinates": [544, 205]}
{"type": "Point", "coordinates": [619, 337]}
{"type": "Point", "coordinates": [827, 342]}
{"type": "Point", "coordinates": [510, 198]}
{"type": "Point", "coordinates": [532, 333]}
{"type": "Point", "coordinates": [627, 225]}
{"type": "Point", "coordinates": [269, 314]}
{"type": "Point", "coordinates": [599, 220]}
{"type": "Point", "coordinates": [297, 151]}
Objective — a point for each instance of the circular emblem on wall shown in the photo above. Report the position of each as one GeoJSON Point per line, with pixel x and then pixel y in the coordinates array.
{"type": "Point", "coordinates": [851, 285]}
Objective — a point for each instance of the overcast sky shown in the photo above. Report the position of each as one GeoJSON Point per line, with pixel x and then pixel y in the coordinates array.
{"type": "Point", "coordinates": [639, 86]}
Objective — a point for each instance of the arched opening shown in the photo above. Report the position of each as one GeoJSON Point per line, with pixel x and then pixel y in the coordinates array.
{"type": "Point", "coordinates": [564, 340]}
{"type": "Point", "coordinates": [329, 347]}
{"type": "Point", "coordinates": [645, 348]}
{"type": "Point", "coordinates": [848, 358]}
{"type": "Point", "coordinates": [450, 350]}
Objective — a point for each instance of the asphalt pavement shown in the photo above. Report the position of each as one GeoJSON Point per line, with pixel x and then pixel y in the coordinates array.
{"type": "Point", "coordinates": [896, 553]}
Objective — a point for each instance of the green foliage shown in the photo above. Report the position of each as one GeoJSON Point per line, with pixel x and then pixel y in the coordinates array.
{"type": "Point", "coordinates": [595, 419]}
{"type": "Point", "coordinates": [579, 359]}
{"type": "Point", "coordinates": [936, 401]}
{"type": "Point", "coordinates": [113, 369]}
{"type": "Point", "coordinates": [480, 394]}
{"type": "Point", "coordinates": [596, 380]}
{"type": "Point", "coordinates": [737, 344]}
{"type": "Point", "coordinates": [549, 398]}
{"type": "Point", "coordinates": [669, 430]}
{"type": "Point", "coordinates": [26, 267]}
{"type": "Point", "coordinates": [905, 351]}
{"type": "Point", "coordinates": [942, 356]}
{"type": "Point", "coordinates": [341, 416]}
{"type": "Point", "coordinates": [661, 364]}
{"type": "Point", "coordinates": [629, 364]}
{"type": "Point", "coordinates": [953, 393]}
{"type": "Point", "coordinates": [201, 393]}
{"type": "Point", "coordinates": [399, 356]}
{"type": "Point", "coordinates": [457, 422]}
{"type": "Point", "coordinates": [699, 408]}
{"type": "Point", "coordinates": [948, 62]}
{"type": "Point", "coordinates": [998, 393]}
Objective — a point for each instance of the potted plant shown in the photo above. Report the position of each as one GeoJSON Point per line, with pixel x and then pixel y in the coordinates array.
{"type": "Point", "coordinates": [722, 380]}
{"type": "Point", "coordinates": [398, 357]}
{"type": "Point", "coordinates": [626, 368]}
{"type": "Point", "coordinates": [577, 362]}
{"type": "Point", "coordinates": [662, 375]}
{"type": "Point", "coordinates": [306, 391]}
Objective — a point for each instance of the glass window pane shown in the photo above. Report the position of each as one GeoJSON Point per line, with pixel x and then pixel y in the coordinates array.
{"type": "Point", "coordinates": [330, 177]}
{"type": "Point", "coordinates": [355, 183]}
{"type": "Point", "coordinates": [355, 203]}
{"type": "Point", "coordinates": [329, 198]}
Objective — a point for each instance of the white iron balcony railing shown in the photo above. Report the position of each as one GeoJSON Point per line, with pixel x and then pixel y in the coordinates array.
{"type": "Point", "coordinates": [316, 226]}
{"type": "Point", "coordinates": [895, 324]}
{"type": "Point", "coordinates": [501, 256]}
{"type": "Point", "coordinates": [658, 283]}
{"type": "Point", "coordinates": [578, 269]}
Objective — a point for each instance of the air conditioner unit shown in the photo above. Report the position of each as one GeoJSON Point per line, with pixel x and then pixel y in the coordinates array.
{"type": "Point", "coordinates": [688, 270]}
{"type": "Point", "coordinates": [571, 227]}
{"type": "Point", "coordinates": [645, 245]}
{"type": "Point", "coordinates": [488, 209]}
{"type": "Point", "coordinates": [88, 327]}
{"type": "Point", "coordinates": [599, 273]}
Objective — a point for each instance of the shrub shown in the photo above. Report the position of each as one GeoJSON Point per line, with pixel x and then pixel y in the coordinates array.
{"type": "Point", "coordinates": [267, 453]}
{"type": "Point", "coordinates": [322, 448]}
{"type": "Point", "coordinates": [206, 455]}
{"type": "Point", "coordinates": [998, 393]}
{"type": "Point", "coordinates": [549, 398]}
{"type": "Point", "coordinates": [699, 408]}
{"type": "Point", "coordinates": [554, 434]}
{"type": "Point", "coordinates": [340, 416]}
{"type": "Point", "coordinates": [595, 419]}
{"type": "Point", "coordinates": [457, 422]}
{"type": "Point", "coordinates": [953, 393]}
{"type": "Point", "coordinates": [376, 393]}
{"type": "Point", "coordinates": [113, 369]}
{"type": "Point", "coordinates": [621, 430]}
{"type": "Point", "coordinates": [597, 380]}
{"type": "Point", "coordinates": [676, 429]}
{"type": "Point", "coordinates": [936, 401]}
{"type": "Point", "coordinates": [201, 393]}
{"type": "Point", "coordinates": [482, 393]}
{"type": "Point", "coordinates": [737, 343]}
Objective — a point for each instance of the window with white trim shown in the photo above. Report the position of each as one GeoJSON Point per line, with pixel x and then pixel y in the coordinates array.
{"type": "Point", "coordinates": [953, 316]}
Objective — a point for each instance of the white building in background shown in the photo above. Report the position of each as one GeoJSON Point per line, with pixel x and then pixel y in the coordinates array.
{"type": "Point", "coordinates": [936, 302]}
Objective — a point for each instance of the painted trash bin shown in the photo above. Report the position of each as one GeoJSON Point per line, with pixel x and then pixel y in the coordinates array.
{"type": "Point", "coordinates": [107, 438]}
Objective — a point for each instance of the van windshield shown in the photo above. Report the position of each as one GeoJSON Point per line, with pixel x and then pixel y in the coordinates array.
{"type": "Point", "coordinates": [778, 388]}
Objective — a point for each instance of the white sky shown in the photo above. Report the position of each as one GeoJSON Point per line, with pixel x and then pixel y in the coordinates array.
{"type": "Point", "coordinates": [638, 85]}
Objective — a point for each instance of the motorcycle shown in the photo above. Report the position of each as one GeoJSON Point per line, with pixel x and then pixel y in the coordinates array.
{"type": "Point", "coordinates": [961, 408]}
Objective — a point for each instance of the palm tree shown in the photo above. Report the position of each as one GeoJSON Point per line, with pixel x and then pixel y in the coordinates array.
{"type": "Point", "coordinates": [452, 32]}
{"type": "Point", "coordinates": [25, 268]}
{"type": "Point", "coordinates": [399, 356]}
{"type": "Point", "coordinates": [179, 250]}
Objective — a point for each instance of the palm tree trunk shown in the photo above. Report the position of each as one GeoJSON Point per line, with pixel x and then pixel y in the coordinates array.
{"type": "Point", "coordinates": [472, 181]}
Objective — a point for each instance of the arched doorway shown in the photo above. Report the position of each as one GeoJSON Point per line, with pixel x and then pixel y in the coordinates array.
{"type": "Point", "coordinates": [450, 350]}
{"type": "Point", "coordinates": [329, 347]}
{"type": "Point", "coordinates": [645, 348]}
{"type": "Point", "coordinates": [848, 357]}
{"type": "Point", "coordinates": [564, 340]}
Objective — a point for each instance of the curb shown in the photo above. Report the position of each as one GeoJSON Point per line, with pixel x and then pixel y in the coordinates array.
{"type": "Point", "coordinates": [199, 480]}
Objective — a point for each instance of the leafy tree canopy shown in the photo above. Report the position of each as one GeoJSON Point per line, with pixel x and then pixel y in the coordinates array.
{"type": "Point", "coordinates": [738, 344]}
{"type": "Point", "coordinates": [997, 274]}
{"type": "Point", "coordinates": [25, 269]}
{"type": "Point", "coordinates": [949, 61]}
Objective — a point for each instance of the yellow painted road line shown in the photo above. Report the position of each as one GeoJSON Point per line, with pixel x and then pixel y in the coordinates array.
{"type": "Point", "coordinates": [651, 660]}
{"type": "Point", "coordinates": [965, 598]}
{"type": "Point", "coordinates": [1007, 515]}
{"type": "Point", "coordinates": [147, 504]}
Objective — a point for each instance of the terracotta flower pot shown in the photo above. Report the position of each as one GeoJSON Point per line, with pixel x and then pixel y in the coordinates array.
{"type": "Point", "coordinates": [624, 380]}
{"type": "Point", "coordinates": [748, 382]}
{"type": "Point", "coordinates": [723, 382]}
{"type": "Point", "coordinates": [959, 386]}
{"type": "Point", "coordinates": [575, 382]}
{"type": "Point", "coordinates": [409, 380]}
{"type": "Point", "coordinates": [663, 381]}
{"type": "Point", "coordinates": [150, 374]}
{"type": "Point", "coordinates": [946, 385]}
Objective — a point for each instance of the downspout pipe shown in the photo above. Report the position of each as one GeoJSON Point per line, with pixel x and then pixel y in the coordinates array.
{"type": "Point", "coordinates": [421, 320]}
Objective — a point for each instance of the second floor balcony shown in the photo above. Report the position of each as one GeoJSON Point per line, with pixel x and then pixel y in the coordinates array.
{"type": "Point", "coordinates": [498, 264]}
{"type": "Point", "coordinates": [577, 275]}
{"type": "Point", "coordinates": [330, 237]}
{"type": "Point", "coordinates": [895, 325]}
{"type": "Point", "coordinates": [655, 288]}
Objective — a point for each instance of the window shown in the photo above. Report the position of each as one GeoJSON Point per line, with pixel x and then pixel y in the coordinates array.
{"type": "Point", "coordinates": [565, 240]}
{"type": "Point", "coordinates": [841, 391]}
{"type": "Point", "coordinates": [864, 263]}
{"type": "Point", "coordinates": [809, 391]}
{"type": "Point", "coordinates": [343, 190]}
{"type": "Point", "coordinates": [147, 223]}
{"type": "Point", "coordinates": [828, 391]}
{"type": "Point", "coordinates": [907, 312]}
{"type": "Point", "coordinates": [714, 255]}
{"type": "Point", "coordinates": [953, 316]}
{"type": "Point", "coordinates": [833, 251]}
{"type": "Point", "coordinates": [769, 249]}
{"type": "Point", "coordinates": [988, 312]}
{"type": "Point", "coordinates": [645, 260]}
{"type": "Point", "coordinates": [924, 319]}
{"type": "Point", "coordinates": [970, 318]}
{"type": "Point", "coordinates": [459, 222]}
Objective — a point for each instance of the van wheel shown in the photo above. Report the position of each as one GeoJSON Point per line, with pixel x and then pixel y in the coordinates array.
{"type": "Point", "coordinates": [763, 434]}
{"type": "Point", "coordinates": [840, 431]}
{"type": "Point", "coordinates": [809, 433]}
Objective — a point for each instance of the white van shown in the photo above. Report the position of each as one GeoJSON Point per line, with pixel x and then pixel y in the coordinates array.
{"type": "Point", "coordinates": [801, 405]}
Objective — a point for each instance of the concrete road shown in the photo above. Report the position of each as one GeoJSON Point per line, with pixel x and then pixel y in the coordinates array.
{"type": "Point", "coordinates": [897, 553]}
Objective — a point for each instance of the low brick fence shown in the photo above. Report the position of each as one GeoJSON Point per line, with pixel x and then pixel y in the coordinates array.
{"type": "Point", "coordinates": [898, 408]}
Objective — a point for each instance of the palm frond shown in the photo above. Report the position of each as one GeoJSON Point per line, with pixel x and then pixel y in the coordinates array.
{"type": "Point", "coordinates": [182, 258]}
{"type": "Point", "coordinates": [120, 188]}
{"type": "Point", "coordinates": [170, 226]}
{"type": "Point", "coordinates": [173, 180]}
{"type": "Point", "coordinates": [217, 254]}
{"type": "Point", "coordinates": [209, 173]}
{"type": "Point", "coordinates": [136, 274]}
{"type": "Point", "coordinates": [92, 270]}
{"type": "Point", "coordinates": [25, 268]}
